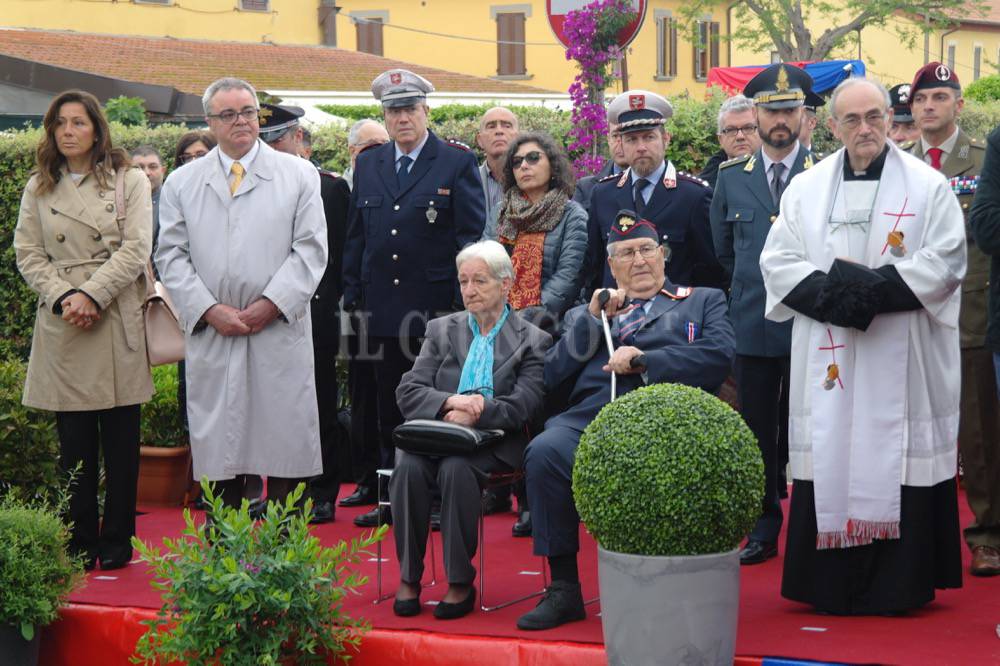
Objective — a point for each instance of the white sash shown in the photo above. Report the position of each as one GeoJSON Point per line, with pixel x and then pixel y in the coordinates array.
{"type": "Point", "coordinates": [859, 407]}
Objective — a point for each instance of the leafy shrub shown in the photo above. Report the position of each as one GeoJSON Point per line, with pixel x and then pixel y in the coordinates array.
{"type": "Point", "coordinates": [986, 89]}
{"type": "Point", "coordinates": [162, 422]}
{"type": "Point", "coordinates": [126, 110]}
{"type": "Point", "coordinates": [239, 593]}
{"type": "Point", "coordinates": [36, 571]}
{"type": "Point", "coordinates": [668, 470]}
{"type": "Point", "coordinates": [29, 444]}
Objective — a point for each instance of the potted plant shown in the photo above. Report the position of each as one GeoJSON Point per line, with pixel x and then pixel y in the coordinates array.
{"type": "Point", "coordinates": [238, 592]}
{"type": "Point", "coordinates": [165, 456]}
{"type": "Point", "coordinates": [668, 479]}
{"type": "Point", "coordinates": [36, 574]}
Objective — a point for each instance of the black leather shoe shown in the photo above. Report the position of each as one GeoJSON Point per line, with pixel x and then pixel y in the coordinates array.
{"type": "Point", "coordinates": [496, 500]}
{"type": "Point", "coordinates": [756, 552]}
{"type": "Point", "coordinates": [323, 512]}
{"type": "Point", "coordinates": [380, 515]}
{"type": "Point", "coordinates": [406, 607]}
{"type": "Point", "coordinates": [522, 528]}
{"type": "Point", "coordinates": [108, 565]}
{"type": "Point", "coordinates": [361, 496]}
{"type": "Point", "coordinates": [562, 603]}
{"type": "Point", "coordinates": [258, 509]}
{"type": "Point", "coordinates": [448, 611]}
{"type": "Point", "coordinates": [436, 521]}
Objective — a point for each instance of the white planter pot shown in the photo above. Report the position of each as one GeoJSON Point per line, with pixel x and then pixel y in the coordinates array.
{"type": "Point", "coordinates": [669, 610]}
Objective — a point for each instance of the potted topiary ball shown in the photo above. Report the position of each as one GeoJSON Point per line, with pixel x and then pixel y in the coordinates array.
{"type": "Point", "coordinates": [668, 479]}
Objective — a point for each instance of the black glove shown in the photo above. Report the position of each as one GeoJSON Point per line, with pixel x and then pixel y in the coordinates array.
{"type": "Point", "coordinates": [852, 295]}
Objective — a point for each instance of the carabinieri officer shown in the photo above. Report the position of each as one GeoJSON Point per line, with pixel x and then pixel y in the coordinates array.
{"type": "Point", "coordinates": [675, 203]}
{"type": "Point", "coordinates": [416, 202]}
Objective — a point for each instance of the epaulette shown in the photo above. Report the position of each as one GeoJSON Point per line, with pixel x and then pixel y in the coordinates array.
{"type": "Point", "coordinates": [455, 143]}
{"type": "Point", "coordinates": [906, 145]}
{"type": "Point", "coordinates": [736, 160]}
{"type": "Point", "coordinates": [694, 179]}
{"type": "Point", "coordinates": [329, 174]}
{"type": "Point", "coordinates": [610, 176]}
{"type": "Point", "coordinates": [680, 293]}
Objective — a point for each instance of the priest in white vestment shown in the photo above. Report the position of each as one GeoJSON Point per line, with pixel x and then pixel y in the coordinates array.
{"type": "Point", "coordinates": [867, 258]}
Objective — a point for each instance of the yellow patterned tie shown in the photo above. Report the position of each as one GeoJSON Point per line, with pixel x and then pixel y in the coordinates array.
{"type": "Point", "coordinates": [237, 170]}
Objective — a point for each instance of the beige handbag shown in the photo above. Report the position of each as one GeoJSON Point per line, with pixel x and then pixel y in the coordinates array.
{"type": "Point", "coordinates": [164, 337]}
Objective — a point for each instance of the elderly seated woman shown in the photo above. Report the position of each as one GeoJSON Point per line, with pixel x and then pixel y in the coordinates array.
{"type": "Point", "coordinates": [481, 368]}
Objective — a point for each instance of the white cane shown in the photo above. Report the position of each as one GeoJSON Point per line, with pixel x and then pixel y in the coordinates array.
{"type": "Point", "coordinates": [602, 300]}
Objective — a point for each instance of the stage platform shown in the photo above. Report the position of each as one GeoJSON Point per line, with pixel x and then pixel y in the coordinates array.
{"type": "Point", "coordinates": [101, 624]}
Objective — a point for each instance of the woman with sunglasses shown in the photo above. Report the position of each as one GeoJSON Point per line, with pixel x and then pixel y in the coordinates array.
{"type": "Point", "coordinates": [544, 232]}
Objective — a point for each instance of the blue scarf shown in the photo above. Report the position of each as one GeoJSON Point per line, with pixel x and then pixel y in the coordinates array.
{"type": "Point", "coordinates": [477, 373]}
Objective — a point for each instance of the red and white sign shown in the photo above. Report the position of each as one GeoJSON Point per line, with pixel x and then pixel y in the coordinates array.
{"type": "Point", "coordinates": [557, 10]}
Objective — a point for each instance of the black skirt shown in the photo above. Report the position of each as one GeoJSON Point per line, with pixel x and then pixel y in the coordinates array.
{"type": "Point", "coordinates": [884, 577]}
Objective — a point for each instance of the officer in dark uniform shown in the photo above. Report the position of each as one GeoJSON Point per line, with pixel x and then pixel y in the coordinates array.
{"type": "Point", "coordinates": [936, 103]}
{"type": "Point", "coordinates": [903, 131]}
{"type": "Point", "coordinates": [416, 202]}
{"type": "Point", "coordinates": [661, 333]}
{"type": "Point", "coordinates": [744, 207]}
{"type": "Point", "coordinates": [675, 203]}
{"type": "Point", "coordinates": [280, 129]}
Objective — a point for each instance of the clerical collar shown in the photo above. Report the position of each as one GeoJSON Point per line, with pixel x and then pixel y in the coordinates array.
{"type": "Point", "coordinates": [873, 172]}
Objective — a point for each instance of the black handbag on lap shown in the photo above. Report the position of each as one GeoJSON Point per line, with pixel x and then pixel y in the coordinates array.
{"type": "Point", "coordinates": [440, 438]}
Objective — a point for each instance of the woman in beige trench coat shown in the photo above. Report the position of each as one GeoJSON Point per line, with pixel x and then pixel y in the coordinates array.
{"type": "Point", "coordinates": [88, 352]}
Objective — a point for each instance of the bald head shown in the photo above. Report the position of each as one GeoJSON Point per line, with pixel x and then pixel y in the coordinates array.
{"type": "Point", "coordinates": [497, 128]}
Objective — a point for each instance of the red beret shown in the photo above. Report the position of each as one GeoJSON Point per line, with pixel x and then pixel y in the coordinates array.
{"type": "Point", "coordinates": [934, 75]}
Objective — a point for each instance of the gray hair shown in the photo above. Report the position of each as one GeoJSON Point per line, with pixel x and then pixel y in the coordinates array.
{"type": "Point", "coordinates": [492, 253]}
{"type": "Point", "coordinates": [352, 134]}
{"type": "Point", "coordinates": [226, 83]}
{"type": "Point", "coordinates": [735, 104]}
{"type": "Point", "coordinates": [854, 81]}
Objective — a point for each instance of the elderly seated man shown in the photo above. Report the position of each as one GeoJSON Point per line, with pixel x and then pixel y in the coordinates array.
{"type": "Point", "coordinates": [480, 368]}
{"type": "Point", "coordinates": [661, 333]}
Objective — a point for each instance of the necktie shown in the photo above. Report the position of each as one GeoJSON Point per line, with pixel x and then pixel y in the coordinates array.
{"type": "Point", "coordinates": [632, 321]}
{"type": "Point", "coordinates": [237, 170]}
{"type": "Point", "coordinates": [935, 154]}
{"type": "Point", "coordinates": [640, 203]}
{"type": "Point", "coordinates": [777, 168]}
{"type": "Point", "coordinates": [403, 173]}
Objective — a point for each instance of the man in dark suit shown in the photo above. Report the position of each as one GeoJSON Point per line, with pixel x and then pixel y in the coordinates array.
{"type": "Point", "coordinates": [416, 202]}
{"type": "Point", "coordinates": [936, 103]}
{"type": "Point", "coordinates": [744, 207]}
{"type": "Point", "coordinates": [280, 129]}
{"type": "Point", "coordinates": [661, 333]}
{"type": "Point", "coordinates": [613, 165]}
{"type": "Point", "coordinates": [675, 203]}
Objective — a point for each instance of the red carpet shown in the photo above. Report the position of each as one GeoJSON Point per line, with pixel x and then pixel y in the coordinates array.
{"type": "Point", "coordinates": [960, 627]}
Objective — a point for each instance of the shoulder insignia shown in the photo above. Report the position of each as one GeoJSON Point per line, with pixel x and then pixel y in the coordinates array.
{"type": "Point", "coordinates": [679, 294]}
{"type": "Point", "coordinates": [692, 178]}
{"type": "Point", "coordinates": [750, 164]}
{"type": "Point", "coordinates": [807, 163]}
{"type": "Point", "coordinates": [623, 179]}
{"type": "Point", "coordinates": [610, 176]}
{"type": "Point", "coordinates": [670, 176]}
{"type": "Point", "coordinates": [455, 143]}
{"type": "Point", "coordinates": [736, 160]}
{"type": "Point", "coordinates": [906, 145]}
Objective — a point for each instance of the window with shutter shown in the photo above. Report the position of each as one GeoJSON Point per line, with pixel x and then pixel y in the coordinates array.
{"type": "Point", "coordinates": [511, 59]}
{"type": "Point", "coordinates": [255, 5]}
{"type": "Point", "coordinates": [706, 51]}
{"type": "Point", "coordinates": [369, 35]}
{"type": "Point", "coordinates": [666, 54]}
{"type": "Point", "coordinates": [977, 59]}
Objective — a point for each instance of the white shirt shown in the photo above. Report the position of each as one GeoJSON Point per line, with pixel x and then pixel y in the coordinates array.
{"type": "Point", "coordinates": [788, 161]}
{"type": "Point", "coordinates": [413, 154]}
{"type": "Point", "coordinates": [245, 161]}
{"type": "Point", "coordinates": [946, 148]}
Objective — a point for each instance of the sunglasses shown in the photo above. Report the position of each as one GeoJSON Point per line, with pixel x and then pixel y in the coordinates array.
{"type": "Point", "coordinates": [530, 158]}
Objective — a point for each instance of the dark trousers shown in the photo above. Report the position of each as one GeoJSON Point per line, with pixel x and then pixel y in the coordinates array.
{"type": "Point", "coordinates": [763, 391]}
{"type": "Point", "coordinates": [395, 358]}
{"type": "Point", "coordinates": [411, 492]}
{"type": "Point", "coordinates": [548, 468]}
{"type": "Point", "coordinates": [979, 444]}
{"type": "Point", "coordinates": [364, 412]}
{"type": "Point", "coordinates": [82, 436]}
{"type": "Point", "coordinates": [326, 486]}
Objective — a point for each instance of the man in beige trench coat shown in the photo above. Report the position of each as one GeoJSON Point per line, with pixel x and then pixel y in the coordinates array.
{"type": "Point", "coordinates": [242, 248]}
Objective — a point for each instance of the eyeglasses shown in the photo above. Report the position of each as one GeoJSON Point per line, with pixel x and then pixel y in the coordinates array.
{"type": "Point", "coordinates": [733, 131]}
{"type": "Point", "coordinates": [229, 116]}
{"type": "Point", "coordinates": [530, 158]}
{"type": "Point", "coordinates": [872, 119]}
{"type": "Point", "coordinates": [188, 157]}
{"type": "Point", "coordinates": [644, 251]}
